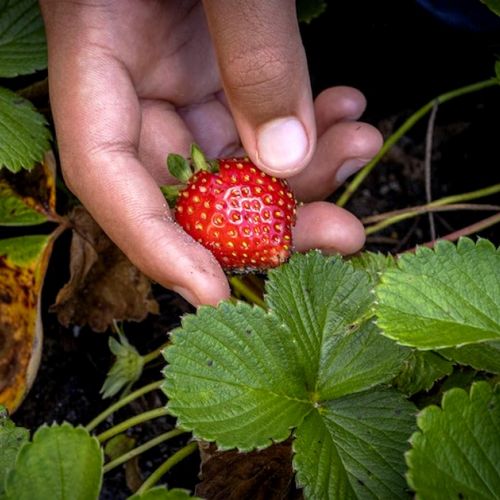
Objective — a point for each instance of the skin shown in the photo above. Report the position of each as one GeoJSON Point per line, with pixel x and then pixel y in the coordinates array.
{"type": "Point", "coordinates": [132, 80]}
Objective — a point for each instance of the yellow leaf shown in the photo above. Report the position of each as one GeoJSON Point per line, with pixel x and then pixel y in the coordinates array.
{"type": "Point", "coordinates": [23, 262]}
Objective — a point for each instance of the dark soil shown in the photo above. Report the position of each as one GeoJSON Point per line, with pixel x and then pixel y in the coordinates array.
{"type": "Point", "coordinates": [400, 57]}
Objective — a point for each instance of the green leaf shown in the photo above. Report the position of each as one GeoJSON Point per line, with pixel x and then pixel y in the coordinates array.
{"type": "Point", "coordinates": [420, 372]}
{"type": "Point", "coordinates": [446, 297]}
{"type": "Point", "coordinates": [161, 493]}
{"type": "Point", "coordinates": [24, 250]}
{"type": "Point", "coordinates": [497, 69]}
{"type": "Point", "coordinates": [456, 452]}
{"type": "Point", "coordinates": [353, 447]}
{"type": "Point", "coordinates": [62, 463]}
{"type": "Point", "coordinates": [24, 137]}
{"type": "Point", "coordinates": [307, 10]}
{"type": "Point", "coordinates": [326, 304]}
{"type": "Point", "coordinates": [28, 197]}
{"type": "Point", "coordinates": [374, 264]}
{"type": "Point", "coordinates": [484, 356]}
{"type": "Point", "coordinates": [493, 5]}
{"type": "Point", "coordinates": [23, 48]}
{"type": "Point", "coordinates": [126, 369]}
{"type": "Point", "coordinates": [14, 212]}
{"type": "Point", "coordinates": [233, 377]}
{"type": "Point", "coordinates": [11, 440]}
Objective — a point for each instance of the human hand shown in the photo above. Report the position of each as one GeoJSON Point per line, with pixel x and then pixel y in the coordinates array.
{"type": "Point", "coordinates": [132, 81]}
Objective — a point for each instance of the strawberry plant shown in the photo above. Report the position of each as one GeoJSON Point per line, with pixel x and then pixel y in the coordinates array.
{"type": "Point", "coordinates": [374, 376]}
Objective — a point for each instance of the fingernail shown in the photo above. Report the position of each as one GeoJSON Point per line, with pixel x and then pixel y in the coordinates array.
{"type": "Point", "coordinates": [348, 168]}
{"type": "Point", "coordinates": [282, 144]}
{"type": "Point", "coordinates": [187, 294]}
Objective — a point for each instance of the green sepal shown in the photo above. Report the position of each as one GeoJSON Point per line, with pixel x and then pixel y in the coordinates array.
{"type": "Point", "coordinates": [171, 193]}
{"type": "Point", "coordinates": [213, 166]}
{"type": "Point", "coordinates": [179, 167]}
{"type": "Point", "coordinates": [198, 159]}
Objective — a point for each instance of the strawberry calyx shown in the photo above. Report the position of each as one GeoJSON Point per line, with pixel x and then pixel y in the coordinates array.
{"type": "Point", "coordinates": [183, 169]}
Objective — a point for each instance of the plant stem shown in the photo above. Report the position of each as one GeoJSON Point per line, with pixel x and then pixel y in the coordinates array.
{"type": "Point", "coordinates": [166, 466]}
{"type": "Point", "coordinates": [424, 209]}
{"type": "Point", "coordinates": [142, 448]}
{"type": "Point", "coordinates": [123, 402]}
{"type": "Point", "coordinates": [465, 231]}
{"type": "Point", "coordinates": [399, 215]}
{"type": "Point", "coordinates": [471, 195]}
{"type": "Point", "coordinates": [147, 358]}
{"type": "Point", "coordinates": [126, 424]}
{"type": "Point", "coordinates": [246, 291]}
{"type": "Point", "coordinates": [407, 125]}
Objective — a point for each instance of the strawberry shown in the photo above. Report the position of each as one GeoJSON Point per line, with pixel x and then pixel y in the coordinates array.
{"type": "Point", "coordinates": [241, 214]}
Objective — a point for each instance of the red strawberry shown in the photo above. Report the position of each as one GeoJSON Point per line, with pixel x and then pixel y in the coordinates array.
{"type": "Point", "coordinates": [242, 215]}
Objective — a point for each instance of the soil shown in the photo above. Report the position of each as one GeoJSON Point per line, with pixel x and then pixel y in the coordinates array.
{"type": "Point", "coordinates": [400, 57]}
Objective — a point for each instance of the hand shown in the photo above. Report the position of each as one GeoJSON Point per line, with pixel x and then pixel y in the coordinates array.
{"type": "Point", "coordinates": [131, 81]}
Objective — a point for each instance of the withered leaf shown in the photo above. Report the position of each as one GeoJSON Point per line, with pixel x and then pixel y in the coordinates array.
{"type": "Point", "coordinates": [104, 285]}
{"type": "Point", "coordinates": [28, 197]}
{"type": "Point", "coordinates": [23, 262]}
{"type": "Point", "coordinates": [259, 475]}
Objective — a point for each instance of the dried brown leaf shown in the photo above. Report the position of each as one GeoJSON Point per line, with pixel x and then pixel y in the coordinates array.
{"type": "Point", "coordinates": [259, 475]}
{"type": "Point", "coordinates": [104, 285]}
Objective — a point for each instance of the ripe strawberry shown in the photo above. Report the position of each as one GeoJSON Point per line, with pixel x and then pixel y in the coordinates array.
{"type": "Point", "coordinates": [242, 215]}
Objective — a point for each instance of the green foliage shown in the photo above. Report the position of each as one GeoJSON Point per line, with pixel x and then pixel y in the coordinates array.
{"type": "Point", "coordinates": [444, 297]}
{"type": "Point", "coordinates": [126, 369]}
{"type": "Point", "coordinates": [24, 136]}
{"type": "Point", "coordinates": [493, 5]}
{"type": "Point", "coordinates": [456, 452]}
{"type": "Point", "coordinates": [244, 376]}
{"type": "Point", "coordinates": [352, 447]}
{"type": "Point", "coordinates": [307, 10]}
{"type": "Point", "coordinates": [15, 212]}
{"type": "Point", "coordinates": [160, 493]}
{"type": "Point", "coordinates": [484, 356]}
{"type": "Point", "coordinates": [61, 463]}
{"type": "Point", "coordinates": [23, 48]}
{"type": "Point", "coordinates": [23, 250]}
{"type": "Point", "coordinates": [11, 440]}
{"type": "Point", "coordinates": [374, 264]}
{"type": "Point", "coordinates": [420, 371]}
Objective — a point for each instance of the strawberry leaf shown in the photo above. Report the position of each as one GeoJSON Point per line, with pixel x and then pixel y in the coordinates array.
{"type": "Point", "coordinates": [245, 376]}
{"type": "Point", "coordinates": [62, 463]}
{"type": "Point", "coordinates": [444, 297]}
{"type": "Point", "coordinates": [484, 356]}
{"type": "Point", "coordinates": [23, 48]}
{"type": "Point", "coordinates": [493, 5]}
{"type": "Point", "coordinates": [340, 350]}
{"type": "Point", "coordinates": [161, 493]}
{"type": "Point", "coordinates": [24, 137]}
{"type": "Point", "coordinates": [420, 371]}
{"type": "Point", "coordinates": [237, 361]}
{"type": "Point", "coordinates": [456, 452]}
{"type": "Point", "coordinates": [353, 447]}
{"type": "Point", "coordinates": [11, 440]}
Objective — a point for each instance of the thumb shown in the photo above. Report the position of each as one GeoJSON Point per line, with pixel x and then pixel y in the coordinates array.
{"type": "Point", "coordinates": [265, 77]}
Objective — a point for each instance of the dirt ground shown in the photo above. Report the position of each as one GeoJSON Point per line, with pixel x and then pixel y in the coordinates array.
{"type": "Point", "coordinates": [400, 57]}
